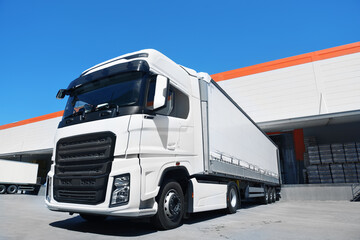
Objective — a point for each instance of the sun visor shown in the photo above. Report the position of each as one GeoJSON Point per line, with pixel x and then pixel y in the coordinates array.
{"type": "Point", "coordinates": [133, 66]}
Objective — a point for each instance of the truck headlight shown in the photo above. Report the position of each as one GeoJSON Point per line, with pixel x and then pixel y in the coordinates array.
{"type": "Point", "coordinates": [121, 190]}
{"type": "Point", "coordinates": [48, 189]}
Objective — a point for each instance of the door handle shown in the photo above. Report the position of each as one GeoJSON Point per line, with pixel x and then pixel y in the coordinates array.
{"type": "Point", "coordinates": [171, 146]}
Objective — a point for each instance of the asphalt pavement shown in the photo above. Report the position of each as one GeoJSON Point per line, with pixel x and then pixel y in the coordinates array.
{"type": "Point", "coordinates": [26, 217]}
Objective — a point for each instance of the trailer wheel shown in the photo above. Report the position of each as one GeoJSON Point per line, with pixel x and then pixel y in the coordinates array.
{"type": "Point", "coordinates": [2, 189]}
{"type": "Point", "coordinates": [265, 198]}
{"type": "Point", "coordinates": [271, 197]}
{"type": "Point", "coordinates": [232, 198]}
{"type": "Point", "coordinates": [12, 189]}
{"type": "Point", "coordinates": [273, 193]}
{"type": "Point", "coordinates": [93, 217]}
{"type": "Point", "coordinates": [170, 206]}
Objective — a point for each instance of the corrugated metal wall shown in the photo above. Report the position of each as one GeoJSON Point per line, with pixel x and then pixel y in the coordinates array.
{"type": "Point", "coordinates": [338, 80]}
{"type": "Point", "coordinates": [315, 88]}
{"type": "Point", "coordinates": [30, 137]}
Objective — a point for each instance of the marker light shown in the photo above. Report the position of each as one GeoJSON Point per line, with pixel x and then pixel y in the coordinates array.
{"type": "Point", "coordinates": [48, 189]}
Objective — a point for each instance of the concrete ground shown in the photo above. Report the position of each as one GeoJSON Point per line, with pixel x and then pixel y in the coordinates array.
{"type": "Point", "coordinates": [26, 217]}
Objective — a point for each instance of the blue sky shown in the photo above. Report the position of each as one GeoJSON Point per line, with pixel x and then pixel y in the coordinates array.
{"type": "Point", "coordinates": [46, 44]}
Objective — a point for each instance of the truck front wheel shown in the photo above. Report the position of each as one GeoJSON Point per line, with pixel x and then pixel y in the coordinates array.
{"type": "Point", "coordinates": [12, 189]}
{"type": "Point", "coordinates": [170, 206]}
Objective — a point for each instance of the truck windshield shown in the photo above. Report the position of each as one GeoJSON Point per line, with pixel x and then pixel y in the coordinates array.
{"type": "Point", "coordinates": [116, 91]}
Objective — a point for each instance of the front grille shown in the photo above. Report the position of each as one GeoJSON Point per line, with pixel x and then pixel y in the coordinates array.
{"type": "Point", "coordinates": [76, 195]}
{"type": "Point", "coordinates": [83, 165]}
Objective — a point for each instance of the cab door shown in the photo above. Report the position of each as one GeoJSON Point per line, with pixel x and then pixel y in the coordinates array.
{"type": "Point", "coordinates": [160, 142]}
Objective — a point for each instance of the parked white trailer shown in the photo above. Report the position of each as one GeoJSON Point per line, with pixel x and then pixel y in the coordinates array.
{"type": "Point", "coordinates": [144, 137]}
{"type": "Point", "coordinates": [18, 176]}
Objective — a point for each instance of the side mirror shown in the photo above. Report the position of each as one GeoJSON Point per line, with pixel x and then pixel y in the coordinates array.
{"type": "Point", "coordinates": [61, 94]}
{"type": "Point", "coordinates": [161, 91]}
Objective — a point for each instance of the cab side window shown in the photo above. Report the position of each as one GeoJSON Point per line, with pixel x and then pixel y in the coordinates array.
{"type": "Point", "coordinates": [177, 102]}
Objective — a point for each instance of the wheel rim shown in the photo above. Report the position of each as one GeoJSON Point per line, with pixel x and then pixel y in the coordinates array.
{"type": "Point", "coordinates": [266, 196]}
{"type": "Point", "coordinates": [172, 205]}
{"type": "Point", "coordinates": [274, 195]}
{"type": "Point", "coordinates": [12, 189]}
{"type": "Point", "coordinates": [2, 189]}
{"type": "Point", "coordinates": [233, 198]}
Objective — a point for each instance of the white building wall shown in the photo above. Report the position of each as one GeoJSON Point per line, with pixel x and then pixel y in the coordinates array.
{"type": "Point", "coordinates": [339, 83]}
{"type": "Point", "coordinates": [30, 137]}
{"type": "Point", "coordinates": [315, 88]}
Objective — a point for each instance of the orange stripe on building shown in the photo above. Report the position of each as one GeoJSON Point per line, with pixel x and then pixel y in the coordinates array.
{"type": "Point", "coordinates": [32, 120]}
{"type": "Point", "coordinates": [289, 62]}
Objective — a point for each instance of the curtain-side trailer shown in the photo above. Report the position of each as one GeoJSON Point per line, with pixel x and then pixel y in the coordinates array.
{"type": "Point", "coordinates": [18, 176]}
{"type": "Point", "coordinates": [144, 137]}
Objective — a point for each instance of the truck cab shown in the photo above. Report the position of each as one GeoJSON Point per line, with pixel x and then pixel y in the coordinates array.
{"type": "Point", "coordinates": [127, 128]}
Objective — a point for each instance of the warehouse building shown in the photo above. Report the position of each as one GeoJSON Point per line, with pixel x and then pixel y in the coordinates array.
{"type": "Point", "coordinates": [309, 105]}
{"type": "Point", "coordinates": [307, 100]}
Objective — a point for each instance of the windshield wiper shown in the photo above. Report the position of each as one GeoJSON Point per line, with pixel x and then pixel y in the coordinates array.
{"type": "Point", "coordinates": [99, 107]}
{"type": "Point", "coordinates": [103, 106]}
{"type": "Point", "coordinates": [80, 112]}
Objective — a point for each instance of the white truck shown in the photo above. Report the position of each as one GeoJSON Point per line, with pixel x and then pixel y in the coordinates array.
{"type": "Point", "coordinates": [144, 137]}
{"type": "Point", "coordinates": [18, 176]}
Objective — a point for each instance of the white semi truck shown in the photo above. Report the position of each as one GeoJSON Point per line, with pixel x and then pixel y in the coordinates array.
{"type": "Point", "coordinates": [18, 176]}
{"type": "Point", "coordinates": [144, 137]}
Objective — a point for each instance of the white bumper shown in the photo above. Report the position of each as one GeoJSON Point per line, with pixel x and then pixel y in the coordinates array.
{"type": "Point", "coordinates": [131, 209]}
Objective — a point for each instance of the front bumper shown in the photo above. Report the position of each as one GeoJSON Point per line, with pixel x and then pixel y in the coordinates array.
{"type": "Point", "coordinates": [128, 212]}
{"type": "Point", "coordinates": [131, 209]}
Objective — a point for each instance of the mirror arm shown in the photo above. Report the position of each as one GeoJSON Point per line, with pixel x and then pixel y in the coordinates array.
{"type": "Point", "coordinates": [62, 93]}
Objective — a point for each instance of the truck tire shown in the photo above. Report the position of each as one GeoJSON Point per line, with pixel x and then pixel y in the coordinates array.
{"type": "Point", "coordinates": [271, 197]}
{"type": "Point", "coordinates": [2, 189]}
{"type": "Point", "coordinates": [232, 198]}
{"type": "Point", "coordinates": [170, 206]}
{"type": "Point", "coordinates": [273, 192]}
{"type": "Point", "coordinates": [265, 198]}
{"type": "Point", "coordinates": [12, 189]}
{"type": "Point", "coordinates": [93, 217]}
